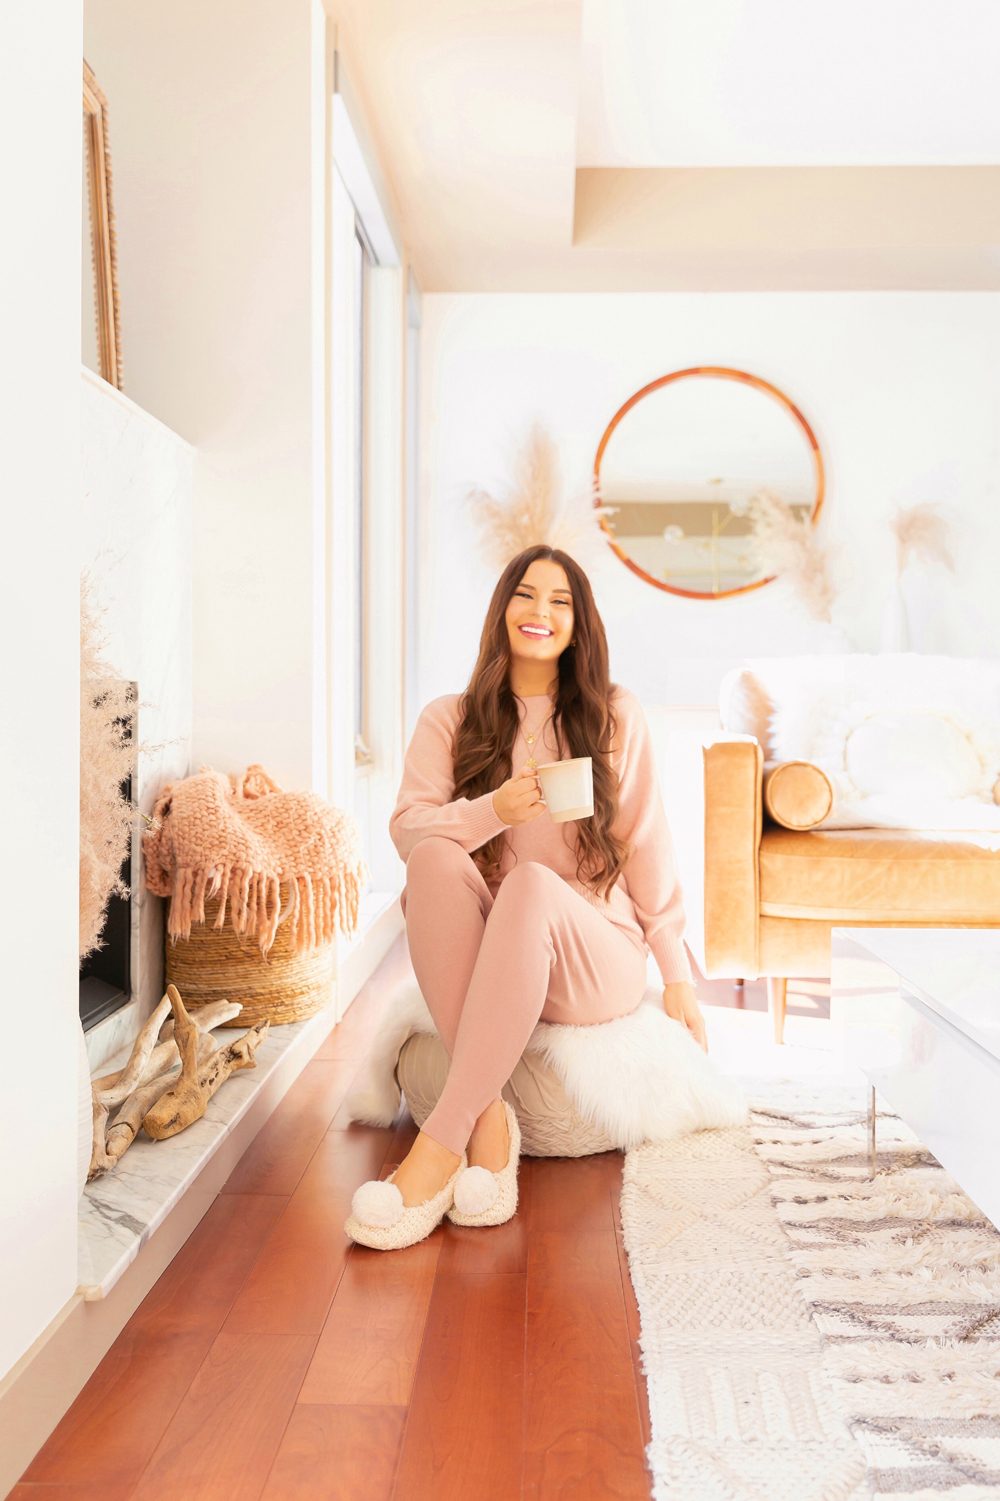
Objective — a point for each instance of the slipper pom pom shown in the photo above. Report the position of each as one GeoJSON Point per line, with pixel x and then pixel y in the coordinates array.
{"type": "Point", "coordinates": [476, 1191]}
{"type": "Point", "coordinates": [377, 1204]}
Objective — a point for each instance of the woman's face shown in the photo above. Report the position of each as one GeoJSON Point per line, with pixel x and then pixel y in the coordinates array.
{"type": "Point", "coordinates": [540, 614]}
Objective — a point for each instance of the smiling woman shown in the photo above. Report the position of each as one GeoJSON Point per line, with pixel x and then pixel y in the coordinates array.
{"type": "Point", "coordinates": [512, 917]}
{"type": "Point", "coordinates": [541, 609]}
{"type": "Point", "coordinates": [543, 645]}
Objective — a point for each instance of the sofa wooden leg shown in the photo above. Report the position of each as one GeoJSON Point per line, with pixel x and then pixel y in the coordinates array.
{"type": "Point", "coordinates": [777, 989]}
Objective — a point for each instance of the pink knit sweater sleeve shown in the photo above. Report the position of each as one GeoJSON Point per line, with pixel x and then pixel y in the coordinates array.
{"type": "Point", "coordinates": [424, 806]}
{"type": "Point", "coordinates": [651, 872]}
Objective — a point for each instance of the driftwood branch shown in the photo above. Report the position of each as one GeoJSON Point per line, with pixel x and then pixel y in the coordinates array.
{"type": "Point", "coordinates": [131, 1075]}
{"type": "Point", "coordinates": [129, 1118]}
{"type": "Point", "coordinates": [188, 1099]}
{"type": "Point", "coordinates": [164, 1055]}
{"type": "Point", "coordinates": [121, 1135]}
{"type": "Point", "coordinates": [100, 1162]}
{"type": "Point", "coordinates": [138, 1086]}
{"type": "Point", "coordinates": [206, 1017]}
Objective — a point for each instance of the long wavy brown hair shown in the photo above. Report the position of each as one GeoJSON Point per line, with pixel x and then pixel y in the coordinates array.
{"type": "Point", "coordinates": [583, 720]}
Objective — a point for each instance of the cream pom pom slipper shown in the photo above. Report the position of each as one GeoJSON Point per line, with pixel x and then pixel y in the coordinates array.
{"type": "Point", "coordinates": [485, 1198]}
{"type": "Point", "coordinates": [380, 1219]}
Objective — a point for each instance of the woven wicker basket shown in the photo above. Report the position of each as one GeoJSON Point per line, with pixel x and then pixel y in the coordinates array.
{"type": "Point", "coordinates": [214, 965]}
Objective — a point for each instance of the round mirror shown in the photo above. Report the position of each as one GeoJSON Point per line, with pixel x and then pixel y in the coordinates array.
{"type": "Point", "coordinates": [679, 467]}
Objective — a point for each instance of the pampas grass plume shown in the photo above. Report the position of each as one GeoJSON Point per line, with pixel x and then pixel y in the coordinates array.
{"type": "Point", "coordinates": [923, 535]}
{"type": "Point", "coordinates": [787, 545]}
{"type": "Point", "coordinates": [107, 757]}
{"type": "Point", "coordinates": [533, 509]}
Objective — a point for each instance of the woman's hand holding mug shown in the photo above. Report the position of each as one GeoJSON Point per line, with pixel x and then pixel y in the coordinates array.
{"type": "Point", "coordinates": [519, 800]}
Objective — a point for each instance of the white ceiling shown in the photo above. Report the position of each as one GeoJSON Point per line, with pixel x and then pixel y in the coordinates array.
{"type": "Point", "coordinates": [564, 145]}
{"type": "Point", "coordinates": [729, 83]}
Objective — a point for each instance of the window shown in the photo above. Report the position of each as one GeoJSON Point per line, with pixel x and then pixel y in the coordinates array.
{"type": "Point", "coordinates": [362, 271]}
{"type": "Point", "coordinates": [365, 521]}
{"type": "Point", "coordinates": [411, 505]}
{"type": "Point", "coordinates": [379, 523]}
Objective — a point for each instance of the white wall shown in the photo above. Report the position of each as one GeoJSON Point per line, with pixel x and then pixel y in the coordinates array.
{"type": "Point", "coordinates": [40, 181]}
{"type": "Point", "coordinates": [215, 139]}
{"type": "Point", "coordinates": [902, 390]}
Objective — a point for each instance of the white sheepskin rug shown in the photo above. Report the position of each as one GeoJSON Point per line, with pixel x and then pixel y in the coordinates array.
{"type": "Point", "coordinates": [639, 1078]}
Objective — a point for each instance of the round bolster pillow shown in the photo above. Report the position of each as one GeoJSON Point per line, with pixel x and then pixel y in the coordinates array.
{"type": "Point", "coordinates": [797, 794]}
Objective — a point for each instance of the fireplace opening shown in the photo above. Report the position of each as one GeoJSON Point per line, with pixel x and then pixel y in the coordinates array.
{"type": "Point", "coordinates": [106, 974]}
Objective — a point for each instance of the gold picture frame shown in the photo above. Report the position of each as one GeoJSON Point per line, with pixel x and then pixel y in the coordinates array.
{"type": "Point", "coordinates": [99, 206]}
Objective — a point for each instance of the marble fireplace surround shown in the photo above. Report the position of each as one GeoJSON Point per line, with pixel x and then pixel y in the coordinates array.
{"type": "Point", "coordinates": [136, 528]}
{"type": "Point", "coordinates": [120, 1212]}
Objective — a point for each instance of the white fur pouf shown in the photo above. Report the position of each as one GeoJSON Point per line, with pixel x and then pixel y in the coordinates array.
{"type": "Point", "coordinates": [576, 1090]}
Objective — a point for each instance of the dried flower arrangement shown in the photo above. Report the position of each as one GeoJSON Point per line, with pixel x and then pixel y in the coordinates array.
{"type": "Point", "coordinates": [534, 509]}
{"type": "Point", "coordinates": [922, 535]}
{"type": "Point", "coordinates": [107, 758]}
{"type": "Point", "coordinates": [785, 543]}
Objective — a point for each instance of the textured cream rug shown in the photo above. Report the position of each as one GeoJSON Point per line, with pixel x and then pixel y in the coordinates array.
{"type": "Point", "coordinates": [806, 1333]}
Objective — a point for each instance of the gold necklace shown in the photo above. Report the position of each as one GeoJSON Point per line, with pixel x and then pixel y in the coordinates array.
{"type": "Point", "coordinates": [530, 739]}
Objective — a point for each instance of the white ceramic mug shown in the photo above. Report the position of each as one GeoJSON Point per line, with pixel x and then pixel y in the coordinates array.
{"type": "Point", "coordinates": [568, 788]}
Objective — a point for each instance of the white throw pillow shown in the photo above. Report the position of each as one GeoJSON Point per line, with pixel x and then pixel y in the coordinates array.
{"type": "Point", "coordinates": [906, 751]}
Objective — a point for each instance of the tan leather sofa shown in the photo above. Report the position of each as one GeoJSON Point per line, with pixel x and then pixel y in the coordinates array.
{"type": "Point", "coordinates": [762, 899]}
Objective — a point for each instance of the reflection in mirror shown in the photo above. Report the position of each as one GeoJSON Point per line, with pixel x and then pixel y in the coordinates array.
{"type": "Point", "coordinates": [679, 470]}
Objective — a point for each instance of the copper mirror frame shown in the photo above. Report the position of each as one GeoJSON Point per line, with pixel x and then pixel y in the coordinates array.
{"type": "Point", "coordinates": [99, 205]}
{"type": "Point", "coordinates": [720, 372]}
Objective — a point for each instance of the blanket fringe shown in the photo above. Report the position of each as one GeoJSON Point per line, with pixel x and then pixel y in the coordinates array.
{"type": "Point", "coordinates": [315, 907]}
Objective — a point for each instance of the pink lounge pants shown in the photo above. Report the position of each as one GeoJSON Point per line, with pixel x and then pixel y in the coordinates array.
{"type": "Point", "coordinates": [491, 967]}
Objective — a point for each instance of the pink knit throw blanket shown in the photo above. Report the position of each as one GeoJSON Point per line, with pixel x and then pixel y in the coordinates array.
{"type": "Point", "coordinates": [242, 838]}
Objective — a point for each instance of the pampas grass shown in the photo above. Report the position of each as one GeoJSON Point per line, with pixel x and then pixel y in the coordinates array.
{"type": "Point", "coordinates": [922, 535]}
{"type": "Point", "coordinates": [534, 510]}
{"type": "Point", "coordinates": [107, 758]}
{"type": "Point", "coordinates": [787, 546]}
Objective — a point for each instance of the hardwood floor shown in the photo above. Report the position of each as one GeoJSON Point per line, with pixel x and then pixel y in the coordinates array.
{"type": "Point", "coordinates": [276, 1361]}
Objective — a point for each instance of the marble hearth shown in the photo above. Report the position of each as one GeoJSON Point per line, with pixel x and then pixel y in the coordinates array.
{"type": "Point", "coordinates": [120, 1212]}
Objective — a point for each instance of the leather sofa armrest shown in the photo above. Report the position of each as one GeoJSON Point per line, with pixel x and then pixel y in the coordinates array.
{"type": "Point", "coordinates": [733, 780]}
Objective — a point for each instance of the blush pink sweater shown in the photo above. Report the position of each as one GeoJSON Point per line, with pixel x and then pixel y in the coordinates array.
{"type": "Point", "coordinates": [646, 902]}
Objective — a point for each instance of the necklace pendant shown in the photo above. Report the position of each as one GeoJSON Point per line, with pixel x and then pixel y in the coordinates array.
{"type": "Point", "coordinates": [531, 739]}
{"type": "Point", "coordinates": [531, 764]}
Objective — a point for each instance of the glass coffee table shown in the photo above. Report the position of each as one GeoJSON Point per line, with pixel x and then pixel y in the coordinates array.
{"type": "Point", "coordinates": [919, 1013]}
